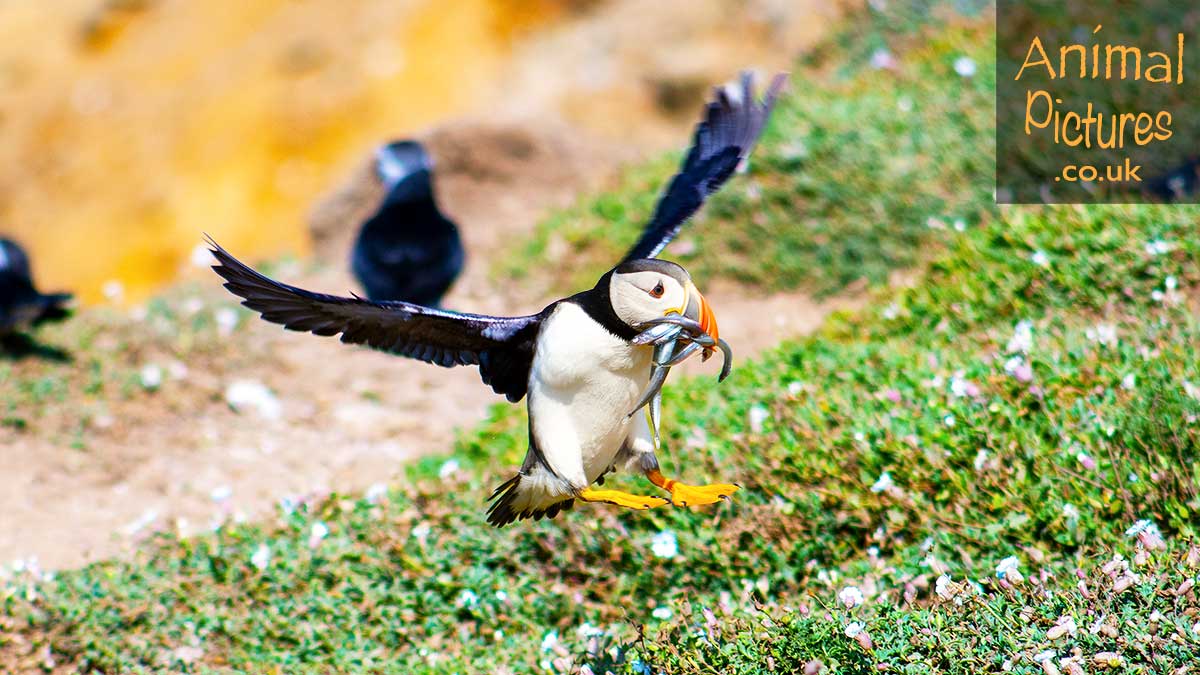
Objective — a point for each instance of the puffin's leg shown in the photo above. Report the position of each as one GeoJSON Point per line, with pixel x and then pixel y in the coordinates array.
{"type": "Point", "coordinates": [638, 454]}
{"type": "Point", "coordinates": [621, 499]}
{"type": "Point", "coordinates": [691, 495]}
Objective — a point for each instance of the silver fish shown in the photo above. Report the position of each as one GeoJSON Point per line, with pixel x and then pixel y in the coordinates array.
{"type": "Point", "coordinates": [656, 333]}
{"type": "Point", "coordinates": [658, 374]}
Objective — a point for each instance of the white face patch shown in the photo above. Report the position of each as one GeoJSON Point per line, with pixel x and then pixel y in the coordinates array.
{"type": "Point", "coordinates": [633, 296]}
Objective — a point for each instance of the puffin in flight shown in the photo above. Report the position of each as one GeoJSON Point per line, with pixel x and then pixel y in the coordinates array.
{"type": "Point", "coordinates": [407, 250]}
{"type": "Point", "coordinates": [21, 305]}
{"type": "Point", "coordinates": [582, 362]}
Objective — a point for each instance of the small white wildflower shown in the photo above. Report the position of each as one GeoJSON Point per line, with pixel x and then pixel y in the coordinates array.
{"type": "Point", "coordinates": [758, 415]}
{"type": "Point", "coordinates": [467, 598]}
{"type": "Point", "coordinates": [1159, 247]}
{"type": "Point", "coordinates": [661, 613]}
{"type": "Point", "coordinates": [192, 306]}
{"type": "Point", "coordinates": [421, 531]}
{"type": "Point", "coordinates": [948, 420]}
{"type": "Point", "coordinates": [958, 386]}
{"type": "Point", "coordinates": [965, 66]}
{"type": "Point", "coordinates": [851, 597]}
{"type": "Point", "coordinates": [981, 458]}
{"type": "Point", "coordinates": [882, 59]}
{"type": "Point", "coordinates": [794, 388]}
{"type": "Point", "coordinates": [261, 557]}
{"type": "Point", "coordinates": [1157, 295]}
{"type": "Point", "coordinates": [1104, 334]}
{"type": "Point", "coordinates": [549, 641]}
{"type": "Point", "coordinates": [221, 493]}
{"type": "Point", "coordinates": [883, 484]}
{"type": "Point", "coordinates": [1022, 339]}
{"type": "Point", "coordinates": [854, 628]}
{"type": "Point", "coordinates": [960, 225]}
{"type": "Point", "coordinates": [1147, 533]}
{"type": "Point", "coordinates": [248, 394]}
{"type": "Point", "coordinates": [375, 493]}
{"type": "Point", "coordinates": [1040, 259]}
{"type": "Point", "coordinates": [151, 376]}
{"type": "Point", "coordinates": [587, 630]}
{"type": "Point", "coordinates": [288, 505]}
{"type": "Point", "coordinates": [904, 104]}
{"type": "Point", "coordinates": [1064, 626]}
{"type": "Point", "coordinates": [227, 321]}
{"type": "Point", "coordinates": [501, 596]}
{"type": "Point", "coordinates": [1129, 382]}
{"type": "Point", "coordinates": [448, 468]}
{"type": "Point", "coordinates": [664, 545]}
{"type": "Point", "coordinates": [1008, 569]}
{"type": "Point", "coordinates": [1012, 364]}
{"type": "Point", "coordinates": [1171, 283]}
{"type": "Point", "coordinates": [317, 533]}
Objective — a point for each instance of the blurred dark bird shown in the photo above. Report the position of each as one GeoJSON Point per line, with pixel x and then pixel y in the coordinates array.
{"type": "Point", "coordinates": [407, 250]}
{"type": "Point", "coordinates": [21, 305]}
{"type": "Point", "coordinates": [581, 363]}
{"type": "Point", "coordinates": [1178, 184]}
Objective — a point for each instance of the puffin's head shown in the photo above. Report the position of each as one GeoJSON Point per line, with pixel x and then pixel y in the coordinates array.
{"type": "Point", "coordinates": [648, 289]}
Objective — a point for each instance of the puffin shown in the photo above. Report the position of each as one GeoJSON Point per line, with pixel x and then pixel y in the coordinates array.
{"type": "Point", "coordinates": [407, 250]}
{"type": "Point", "coordinates": [22, 306]}
{"type": "Point", "coordinates": [582, 363]}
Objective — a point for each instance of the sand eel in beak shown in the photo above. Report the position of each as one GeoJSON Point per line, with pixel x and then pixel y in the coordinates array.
{"type": "Point", "coordinates": [21, 305]}
{"type": "Point", "coordinates": [583, 362]}
{"type": "Point", "coordinates": [408, 250]}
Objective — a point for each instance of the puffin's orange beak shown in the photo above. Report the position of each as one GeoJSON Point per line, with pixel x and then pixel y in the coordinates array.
{"type": "Point", "coordinates": [699, 311]}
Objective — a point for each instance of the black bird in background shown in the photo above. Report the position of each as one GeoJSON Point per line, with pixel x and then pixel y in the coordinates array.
{"type": "Point", "coordinates": [1178, 184]}
{"type": "Point", "coordinates": [21, 305]}
{"type": "Point", "coordinates": [408, 250]}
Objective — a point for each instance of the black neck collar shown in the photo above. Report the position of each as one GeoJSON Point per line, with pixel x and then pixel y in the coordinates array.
{"type": "Point", "coordinates": [597, 303]}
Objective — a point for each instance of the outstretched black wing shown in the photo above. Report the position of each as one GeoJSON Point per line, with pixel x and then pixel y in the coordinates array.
{"type": "Point", "coordinates": [728, 132]}
{"type": "Point", "coordinates": [501, 346]}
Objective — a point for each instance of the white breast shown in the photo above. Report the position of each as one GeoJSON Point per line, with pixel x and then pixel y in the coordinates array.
{"type": "Point", "coordinates": [583, 383]}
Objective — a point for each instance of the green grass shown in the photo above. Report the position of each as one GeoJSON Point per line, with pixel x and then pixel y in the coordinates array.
{"type": "Point", "coordinates": [1046, 448]}
{"type": "Point", "coordinates": [71, 376]}
{"type": "Point", "coordinates": [857, 167]}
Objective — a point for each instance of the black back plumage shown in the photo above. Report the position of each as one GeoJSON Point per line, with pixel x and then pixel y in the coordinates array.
{"type": "Point", "coordinates": [21, 305]}
{"type": "Point", "coordinates": [723, 140]}
{"type": "Point", "coordinates": [408, 250]}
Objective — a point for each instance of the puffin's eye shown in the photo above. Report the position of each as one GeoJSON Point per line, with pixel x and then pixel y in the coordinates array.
{"type": "Point", "coordinates": [657, 291]}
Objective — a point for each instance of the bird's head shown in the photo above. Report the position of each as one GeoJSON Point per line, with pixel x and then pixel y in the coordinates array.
{"type": "Point", "coordinates": [400, 160]}
{"type": "Point", "coordinates": [13, 259]}
{"type": "Point", "coordinates": [649, 289]}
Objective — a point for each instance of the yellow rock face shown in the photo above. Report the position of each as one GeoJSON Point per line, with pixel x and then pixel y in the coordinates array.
{"type": "Point", "coordinates": [129, 127]}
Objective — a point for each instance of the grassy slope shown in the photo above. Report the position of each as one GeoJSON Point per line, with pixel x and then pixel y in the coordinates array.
{"type": "Point", "coordinates": [855, 166]}
{"type": "Point", "coordinates": [1051, 470]}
